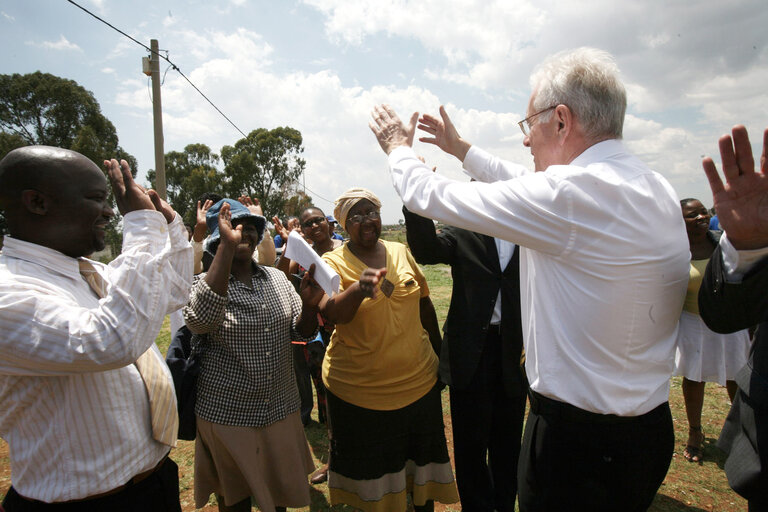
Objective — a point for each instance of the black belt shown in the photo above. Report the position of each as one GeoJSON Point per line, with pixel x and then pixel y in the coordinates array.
{"type": "Point", "coordinates": [551, 408]}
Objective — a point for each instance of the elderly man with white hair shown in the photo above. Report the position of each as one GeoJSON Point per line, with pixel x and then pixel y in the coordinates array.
{"type": "Point", "coordinates": [600, 295]}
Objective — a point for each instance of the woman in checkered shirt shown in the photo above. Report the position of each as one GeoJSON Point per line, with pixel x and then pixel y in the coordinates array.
{"type": "Point", "coordinates": [250, 440]}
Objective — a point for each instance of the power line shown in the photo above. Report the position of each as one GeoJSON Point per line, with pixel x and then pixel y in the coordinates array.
{"type": "Point", "coordinates": [315, 194]}
{"type": "Point", "coordinates": [174, 66]}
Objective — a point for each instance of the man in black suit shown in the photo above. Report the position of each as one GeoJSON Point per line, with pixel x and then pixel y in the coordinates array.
{"type": "Point", "coordinates": [480, 359]}
{"type": "Point", "coordinates": [734, 296]}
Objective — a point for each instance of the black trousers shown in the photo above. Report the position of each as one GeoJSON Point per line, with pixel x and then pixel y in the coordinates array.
{"type": "Point", "coordinates": [487, 425]}
{"type": "Point", "coordinates": [157, 493]}
{"type": "Point", "coordinates": [576, 460]}
{"type": "Point", "coordinates": [303, 382]}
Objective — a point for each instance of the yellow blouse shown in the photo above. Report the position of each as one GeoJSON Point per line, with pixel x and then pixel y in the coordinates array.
{"type": "Point", "coordinates": [695, 277]}
{"type": "Point", "coordinates": [382, 359]}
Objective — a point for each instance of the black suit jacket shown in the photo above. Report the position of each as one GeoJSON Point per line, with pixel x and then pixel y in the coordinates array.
{"type": "Point", "coordinates": [477, 279]}
{"type": "Point", "coordinates": [729, 307]}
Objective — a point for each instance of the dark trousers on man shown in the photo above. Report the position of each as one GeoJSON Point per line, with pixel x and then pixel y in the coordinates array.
{"type": "Point", "coordinates": [573, 460]}
{"type": "Point", "coordinates": [159, 492]}
{"type": "Point", "coordinates": [487, 425]}
{"type": "Point", "coordinates": [308, 367]}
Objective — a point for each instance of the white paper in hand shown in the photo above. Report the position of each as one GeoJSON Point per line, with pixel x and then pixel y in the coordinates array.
{"type": "Point", "coordinates": [299, 251]}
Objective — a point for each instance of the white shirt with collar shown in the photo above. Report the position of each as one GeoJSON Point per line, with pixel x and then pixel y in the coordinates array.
{"type": "Point", "coordinates": [738, 262]}
{"type": "Point", "coordinates": [74, 408]}
{"type": "Point", "coordinates": [601, 292]}
{"type": "Point", "coordinates": [505, 250]}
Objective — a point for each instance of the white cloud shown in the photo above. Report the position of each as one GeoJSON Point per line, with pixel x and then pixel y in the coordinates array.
{"type": "Point", "coordinates": [340, 150]}
{"type": "Point", "coordinates": [7, 16]}
{"type": "Point", "coordinates": [62, 44]}
{"type": "Point", "coordinates": [495, 44]}
{"type": "Point", "coordinates": [684, 90]}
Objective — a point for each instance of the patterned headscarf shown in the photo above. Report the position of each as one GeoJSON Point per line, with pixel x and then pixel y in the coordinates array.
{"type": "Point", "coordinates": [350, 198]}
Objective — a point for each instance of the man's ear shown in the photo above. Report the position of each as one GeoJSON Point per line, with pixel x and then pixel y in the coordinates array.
{"type": "Point", "coordinates": [35, 201]}
{"type": "Point", "coordinates": [564, 118]}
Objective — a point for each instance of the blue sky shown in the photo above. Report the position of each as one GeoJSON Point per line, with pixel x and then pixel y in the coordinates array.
{"type": "Point", "coordinates": [692, 70]}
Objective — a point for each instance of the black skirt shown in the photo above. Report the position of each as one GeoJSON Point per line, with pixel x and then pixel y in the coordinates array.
{"type": "Point", "coordinates": [377, 457]}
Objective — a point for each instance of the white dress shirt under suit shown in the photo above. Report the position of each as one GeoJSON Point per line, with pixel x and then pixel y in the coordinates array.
{"type": "Point", "coordinates": [74, 409]}
{"type": "Point", "coordinates": [603, 266]}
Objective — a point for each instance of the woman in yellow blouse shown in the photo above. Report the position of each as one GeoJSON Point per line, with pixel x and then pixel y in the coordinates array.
{"type": "Point", "coordinates": [380, 371]}
{"type": "Point", "coordinates": [703, 355]}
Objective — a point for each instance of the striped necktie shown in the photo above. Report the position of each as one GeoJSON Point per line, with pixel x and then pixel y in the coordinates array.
{"type": "Point", "coordinates": [162, 398]}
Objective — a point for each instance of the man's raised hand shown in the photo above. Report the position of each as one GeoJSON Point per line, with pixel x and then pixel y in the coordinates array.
{"type": "Point", "coordinates": [742, 202]}
{"type": "Point", "coordinates": [129, 195]}
{"type": "Point", "coordinates": [390, 130]}
{"type": "Point", "coordinates": [443, 134]}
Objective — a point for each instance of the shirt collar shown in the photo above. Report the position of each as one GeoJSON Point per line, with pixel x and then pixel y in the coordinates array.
{"type": "Point", "coordinates": [258, 272]}
{"type": "Point", "coordinates": [41, 255]}
{"type": "Point", "coordinates": [598, 152]}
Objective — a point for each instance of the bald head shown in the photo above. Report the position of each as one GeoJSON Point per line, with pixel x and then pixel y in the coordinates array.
{"type": "Point", "coordinates": [54, 197]}
{"type": "Point", "coordinates": [38, 167]}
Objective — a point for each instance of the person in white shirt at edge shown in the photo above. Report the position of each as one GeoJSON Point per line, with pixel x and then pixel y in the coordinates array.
{"type": "Point", "coordinates": [600, 294]}
{"type": "Point", "coordinates": [77, 413]}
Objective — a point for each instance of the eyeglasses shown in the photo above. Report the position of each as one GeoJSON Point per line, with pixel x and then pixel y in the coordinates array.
{"type": "Point", "coordinates": [360, 217]}
{"type": "Point", "coordinates": [525, 124]}
{"type": "Point", "coordinates": [311, 222]}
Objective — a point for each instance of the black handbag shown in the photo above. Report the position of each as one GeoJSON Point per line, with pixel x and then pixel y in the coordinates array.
{"type": "Point", "coordinates": [184, 363]}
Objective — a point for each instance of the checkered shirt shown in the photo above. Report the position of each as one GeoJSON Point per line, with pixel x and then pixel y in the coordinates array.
{"type": "Point", "coordinates": [246, 376]}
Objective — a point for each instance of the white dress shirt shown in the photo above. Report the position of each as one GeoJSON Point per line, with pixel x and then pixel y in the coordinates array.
{"type": "Point", "coordinates": [601, 292]}
{"type": "Point", "coordinates": [505, 251]}
{"type": "Point", "coordinates": [74, 408]}
{"type": "Point", "coordinates": [737, 263]}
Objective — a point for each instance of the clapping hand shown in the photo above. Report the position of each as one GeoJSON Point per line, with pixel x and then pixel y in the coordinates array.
{"type": "Point", "coordinates": [280, 229]}
{"type": "Point", "coordinates": [201, 227]}
{"type": "Point", "coordinates": [253, 205]}
{"type": "Point", "coordinates": [742, 202]}
{"type": "Point", "coordinates": [310, 292]}
{"type": "Point", "coordinates": [230, 236]}
{"type": "Point", "coordinates": [369, 281]}
{"type": "Point", "coordinates": [131, 196]}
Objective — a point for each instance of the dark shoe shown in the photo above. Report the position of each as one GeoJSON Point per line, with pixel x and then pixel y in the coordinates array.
{"type": "Point", "coordinates": [319, 476]}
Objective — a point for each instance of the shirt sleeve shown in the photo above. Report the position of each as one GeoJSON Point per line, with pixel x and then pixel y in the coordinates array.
{"type": "Point", "coordinates": [62, 337]}
{"type": "Point", "coordinates": [534, 210]}
{"type": "Point", "coordinates": [483, 166]}
{"type": "Point", "coordinates": [206, 308]}
{"type": "Point", "coordinates": [178, 266]}
{"type": "Point", "coordinates": [737, 263]}
{"type": "Point", "coordinates": [197, 256]}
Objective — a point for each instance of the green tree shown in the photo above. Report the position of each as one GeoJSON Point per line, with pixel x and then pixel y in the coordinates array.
{"type": "Point", "coordinates": [296, 204]}
{"type": "Point", "coordinates": [40, 108]}
{"type": "Point", "coordinates": [189, 174]}
{"type": "Point", "coordinates": [265, 164]}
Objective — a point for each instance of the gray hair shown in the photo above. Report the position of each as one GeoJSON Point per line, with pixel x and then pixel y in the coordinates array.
{"type": "Point", "coordinates": [586, 80]}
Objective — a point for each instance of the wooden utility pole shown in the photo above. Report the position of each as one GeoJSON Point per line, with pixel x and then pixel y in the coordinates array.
{"type": "Point", "coordinates": [157, 115]}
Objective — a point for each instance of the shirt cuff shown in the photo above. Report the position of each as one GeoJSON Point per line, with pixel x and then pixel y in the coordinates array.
{"type": "Point", "coordinates": [178, 232]}
{"type": "Point", "coordinates": [737, 263]}
{"type": "Point", "coordinates": [475, 158]}
{"type": "Point", "coordinates": [402, 153]}
{"type": "Point", "coordinates": [141, 226]}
